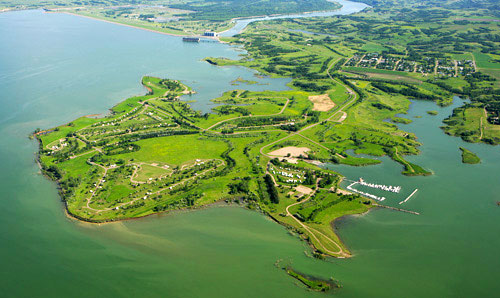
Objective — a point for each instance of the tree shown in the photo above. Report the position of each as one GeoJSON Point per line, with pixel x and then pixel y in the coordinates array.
{"type": "Point", "coordinates": [271, 189]}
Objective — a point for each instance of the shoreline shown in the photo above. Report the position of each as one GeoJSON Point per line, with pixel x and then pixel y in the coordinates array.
{"type": "Point", "coordinates": [345, 218]}
{"type": "Point", "coordinates": [216, 203]}
{"type": "Point", "coordinates": [217, 38]}
{"type": "Point", "coordinates": [122, 24]}
{"type": "Point", "coordinates": [235, 20]}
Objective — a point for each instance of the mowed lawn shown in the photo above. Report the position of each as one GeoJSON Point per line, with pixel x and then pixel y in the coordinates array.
{"type": "Point", "coordinates": [176, 150]}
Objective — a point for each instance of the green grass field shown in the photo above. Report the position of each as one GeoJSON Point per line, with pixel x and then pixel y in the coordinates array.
{"type": "Point", "coordinates": [469, 156]}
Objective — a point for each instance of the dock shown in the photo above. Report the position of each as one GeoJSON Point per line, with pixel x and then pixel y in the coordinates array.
{"type": "Point", "coordinates": [388, 188]}
{"type": "Point", "coordinates": [398, 209]}
{"type": "Point", "coordinates": [191, 39]}
{"type": "Point", "coordinates": [198, 39]}
{"type": "Point", "coordinates": [369, 195]}
{"type": "Point", "coordinates": [404, 201]}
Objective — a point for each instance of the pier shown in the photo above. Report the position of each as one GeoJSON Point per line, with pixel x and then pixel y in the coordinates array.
{"type": "Point", "coordinates": [397, 209]}
{"type": "Point", "coordinates": [404, 201]}
{"type": "Point", "coordinates": [199, 39]}
{"type": "Point", "coordinates": [390, 188]}
{"type": "Point", "coordinates": [364, 193]}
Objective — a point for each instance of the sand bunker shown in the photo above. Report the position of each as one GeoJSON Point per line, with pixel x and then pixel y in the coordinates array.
{"type": "Point", "coordinates": [293, 151]}
{"type": "Point", "coordinates": [322, 102]}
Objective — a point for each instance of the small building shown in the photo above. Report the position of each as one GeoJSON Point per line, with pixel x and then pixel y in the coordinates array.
{"type": "Point", "coordinates": [211, 34]}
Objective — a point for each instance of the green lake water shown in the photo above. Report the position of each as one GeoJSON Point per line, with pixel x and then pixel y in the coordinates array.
{"type": "Point", "coordinates": [55, 68]}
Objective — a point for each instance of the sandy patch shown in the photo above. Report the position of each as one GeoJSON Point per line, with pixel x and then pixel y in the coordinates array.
{"type": "Point", "coordinates": [314, 162]}
{"type": "Point", "coordinates": [343, 117]}
{"type": "Point", "coordinates": [292, 160]}
{"type": "Point", "coordinates": [303, 189]}
{"type": "Point", "coordinates": [322, 102]}
{"type": "Point", "coordinates": [293, 151]}
{"type": "Point", "coordinates": [92, 116]}
{"type": "Point", "coordinates": [342, 191]}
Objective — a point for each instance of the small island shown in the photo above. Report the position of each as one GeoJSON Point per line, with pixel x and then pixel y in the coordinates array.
{"type": "Point", "coordinates": [432, 113]}
{"type": "Point", "coordinates": [312, 283]}
{"type": "Point", "coordinates": [240, 80]}
{"type": "Point", "coordinates": [469, 156]}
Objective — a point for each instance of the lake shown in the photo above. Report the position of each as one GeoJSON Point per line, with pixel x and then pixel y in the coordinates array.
{"type": "Point", "coordinates": [57, 67]}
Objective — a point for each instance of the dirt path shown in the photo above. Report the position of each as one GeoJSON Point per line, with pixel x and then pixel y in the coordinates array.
{"type": "Point", "coordinates": [474, 62]}
{"type": "Point", "coordinates": [222, 163]}
{"type": "Point", "coordinates": [481, 124]}
{"type": "Point", "coordinates": [342, 118]}
{"type": "Point", "coordinates": [168, 187]}
{"type": "Point", "coordinates": [75, 156]}
{"type": "Point", "coordinates": [404, 161]}
{"type": "Point", "coordinates": [359, 61]}
{"type": "Point", "coordinates": [353, 96]}
{"type": "Point", "coordinates": [396, 64]}
{"type": "Point", "coordinates": [138, 165]}
{"type": "Point", "coordinates": [268, 173]}
{"type": "Point", "coordinates": [313, 232]}
{"type": "Point", "coordinates": [249, 116]}
{"type": "Point", "coordinates": [89, 199]}
{"type": "Point", "coordinates": [314, 142]}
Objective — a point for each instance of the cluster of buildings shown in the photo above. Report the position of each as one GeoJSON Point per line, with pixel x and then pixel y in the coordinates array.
{"type": "Point", "coordinates": [55, 147]}
{"type": "Point", "coordinates": [428, 65]}
{"type": "Point", "coordinates": [289, 175]}
{"type": "Point", "coordinates": [210, 34]}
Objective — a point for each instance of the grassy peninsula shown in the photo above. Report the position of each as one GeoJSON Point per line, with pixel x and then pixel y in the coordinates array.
{"type": "Point", "coordinates": [260, 148]}
{"type": "Point", "coordinates": [351, 75]}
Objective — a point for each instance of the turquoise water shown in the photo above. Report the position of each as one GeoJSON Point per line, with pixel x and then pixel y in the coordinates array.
{"type": "Point", "coordinates": [54, 68]}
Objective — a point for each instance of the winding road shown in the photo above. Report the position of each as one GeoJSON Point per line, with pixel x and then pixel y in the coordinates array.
{"type": "Point", "coordinates": [340, 253]}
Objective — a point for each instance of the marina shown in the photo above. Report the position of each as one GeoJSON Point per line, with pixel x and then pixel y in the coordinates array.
{"type": "Point", "coordinates": [395, 189]}
{"type": "Point", "coordinates": [389, 188]}
{"type": "Point", "coordinates": [369, 195]}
